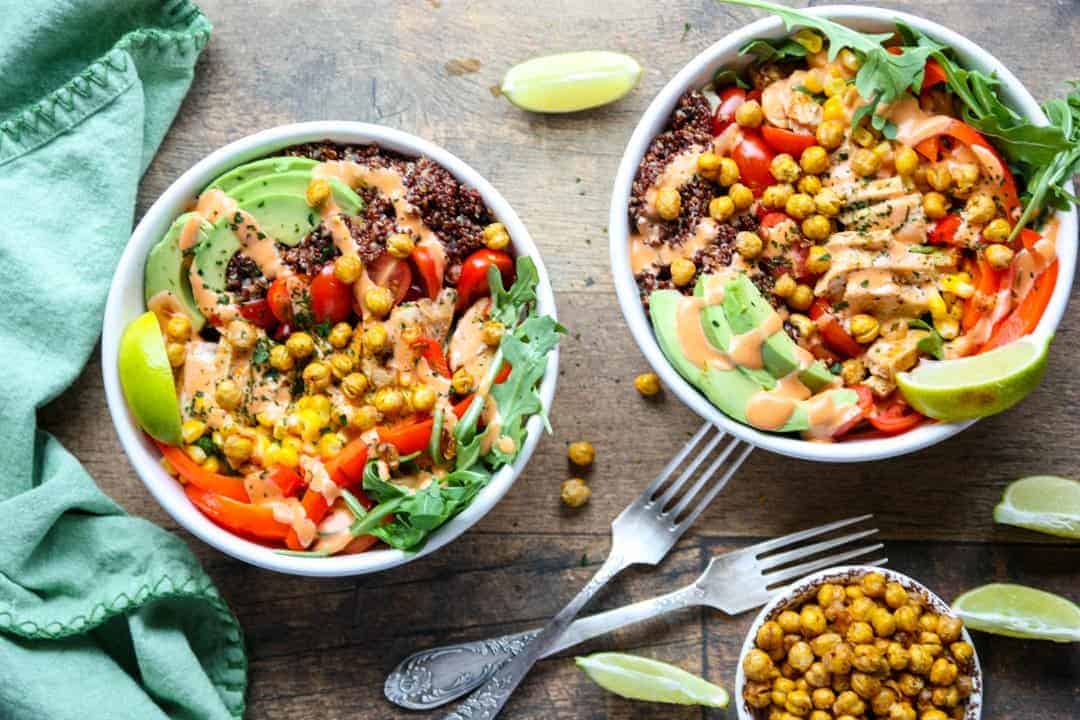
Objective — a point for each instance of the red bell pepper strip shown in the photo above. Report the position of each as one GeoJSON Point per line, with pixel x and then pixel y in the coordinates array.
{"type": "Point", "coordinates": [933, 74]}
{"type": "Point", "coordinates": [224, 485]}
{"type": "Point", "coordinates": [286, 479]}
{"type": "Point", "coordinates": [346, 469]}
{"type": "Point", "coordinates": [930, 148]}
{"type": "Point", "coordinates": [1023, 320]}
{"type": "Point", "coordinates": [987, 283]}
{"type": "Point", "coordinates": [239, 517]}
{"type": "Point", "coordinates": [433, 353]}
{"type": "Point", "coordinates": [944, 230]}
{"type": "Point", "coordinates": [836, 337]}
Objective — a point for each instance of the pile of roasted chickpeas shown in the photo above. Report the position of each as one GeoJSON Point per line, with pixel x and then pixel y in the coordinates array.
{"type": "Point", "coordinates": [867, 649]}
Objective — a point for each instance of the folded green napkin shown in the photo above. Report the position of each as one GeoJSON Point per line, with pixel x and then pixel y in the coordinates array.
{"type": "Point", "coordinates": [102, 615]}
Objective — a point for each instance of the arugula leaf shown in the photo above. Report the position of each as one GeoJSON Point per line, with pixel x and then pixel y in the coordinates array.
{"type": "Point", "coordinates": [773, 50]}
{"type": "Point", "coordinates": [261, 353]}
{"type": "Point", "coordinates": [839, 36]}
{"type": "Point", "coordinates": [727, 76]}
{"type": "Point", "coordinates": [933, 344]}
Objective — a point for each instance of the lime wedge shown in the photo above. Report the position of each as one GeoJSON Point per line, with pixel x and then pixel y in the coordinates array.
{"type": "Point", "coordinates": [640, 678]}
{"type": "Point", "coordinates": [147, 379]}
{"type": "Point", "coordinates": [1044, 503]}
{"type": "Point", "coordinates": [569, 82]}
{"type": "Point", "coordinates": [1019, 611]}
{"type": "Point", "coordinates": [979, 385]}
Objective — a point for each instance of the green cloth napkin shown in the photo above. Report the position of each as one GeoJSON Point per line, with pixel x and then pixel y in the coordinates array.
{"type": "Point", "coordinates": [102, 615]}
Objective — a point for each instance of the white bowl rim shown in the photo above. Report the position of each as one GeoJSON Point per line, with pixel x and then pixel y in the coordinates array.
{"type": "Point", "coordinates": [694, 74]}
{"type": "Point", "coordinates": [809, 583]}
{"type": "Point", "coordinates": [121, 308]}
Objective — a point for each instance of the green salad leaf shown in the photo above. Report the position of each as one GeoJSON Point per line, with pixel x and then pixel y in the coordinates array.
{"type": "Point", "coordinates": [774, 50]}
{"type": "Point", "coordinates": [933, 344]}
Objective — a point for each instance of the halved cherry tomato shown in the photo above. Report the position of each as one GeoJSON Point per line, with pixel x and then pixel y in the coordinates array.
{"type": "Point", "coordinates": [257, 312]}
{"type": "Point", "coordinates": [389, 272]}
{"type": "Point", "coordinates": [753, 156]}
{"type": "Point", "coordinates": [241, 518]}
{"type": "Point", "coordinates": [1025, 318]}
{"type": "Point", "coordinates": [473, 282]}
{"type": "Point", "coordinates": [987, 281]}
{"type": "Point", "coordinates": [285, 293]}
{"type": "Point", "coordinates": [865, 402]}
{"type": "Point", "coordinates": [429, 269]}
{"type": "Point", "coordinates": [433, 353]}
{"type": "Point", "coordinates": [772, 218]}
{"type": "Point", "coordinates": [730, 99]}
{"type": "Point", "coordinates": [287, 480]}
{"type": "Point", "coordinates": [787, 141]}
{"type": "Point", "coordinates": [896, 417]}
{"type": "Point", "coordinates": [224, 485]}
{"type": "Point", "coordinates": [944, 230]}
{"type": "Point", "coordinates": [834, 334]}
{"type": "Point", "coordinates": [331, 299]}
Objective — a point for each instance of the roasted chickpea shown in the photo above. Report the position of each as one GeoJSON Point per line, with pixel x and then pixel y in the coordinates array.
{"type": "Point", "coordinates": [379, 301]}
{"type": "Point", "coordinates": [781, 687]}
{"type": "Point", "coordinates": [920, 659]}
{"type": "Point", "coordinates": [840, 683]}
{"type": "Point", "coordinates": [873, 584]}
{"type": "Point", "coordinates": [825, 642]}
{"type": "Point", "coordinates": [910, 684]}
{"type": "Point", "coordinates": [852, 371]}
{"type": "Point", "coordinates": [749, 114]}
{"type": "Point", "coordinates": [814, 160]}
{"type": "Point", "coordinates": [865, 162]}
{"type": "Point", "coordinates": [784, 286]}
{"type": "Point", "coordinates": [907, 618]}
{"type": "Point", "coordinates": [316, 377]}
{"type": "Point", "coordinates": [575, 493]}
{"type": "Point", "coordinates": [758, 694]}
{"type": "Point", "coordinates": [776, 196]}
{"type": "Point", "coordinates": [798, 703]}
{"type": "Point", "coordinates": [708, 164]}
{"type": "Point", "coordinates": [965, 175]}
{"type": "Point", "coordinates": [317, 192]}
{"type": "Point", "coordinates": [833, 110]}
{"type": "Point", "coordinates": [811, 621]}
{"type": "Point", "coordinates": [817, 676]}
{"type": "Point", "coordinates": [928, 622]}
{"type": "Point", "coordinates": [864, 685]}
{"type": "Point", "coordinates": [364, 418]}
{"type": "Point", "coordinates": [895, 595]}
{"type": "Point", "coordinates": [770, 635]}
{"type": "Point", "coordinates": [800, 656]}
{"type": "Point", "coordinates": [177, 354]}
{"type": "Point", "coordinates": [424, 398]}
{"type": "Point", "coordinates": [817, 228]}
{"type": "Point", "coordinates": [496, 237]}
{"type": "Point", "coordinates": [668, 203]}
{"type": "Point", "coordinates": [492, 333]}
{"type": "Point", "coordinates": [883, 621]}
{"type": "Point", "coordinates": [897, 656]}
{"type": "Point", "coordinates": [962, 652]}
{"type": "Point", "coordinates": [648, 384]}
{"type": "Point", "coordinates": [862, 607]}
{"type": "Point", "coordinates": [802, 298]}
{"type": "Point", "coordinates": [830, 133]}
{"type": "Point", "coordinates": [849, 703]}
{"type": "Point", "coordinates": [945, 697]}
{"type": "Point", "coordinates": [742, 196]}
{"type": "Point", "coordinates": [838, 659]}
{"type": "Point", "coordinates": [948, 628]}
{"type": "Point", "coordinates": [721, 208]}
{"type": "Point", "coordinates": [809, 184]}
{"type": "Point", "coordinates": [462, 382]}
{"type": "Point", "coordinates": [178, 328]}
{"type": "Point", "coordinates": [748, 244]}
{"type": "Point", "coordinates": [933, 714]}
{"type": "Point", "coordinates": [758, 666]}
{"type": "Point", "coordinates": [901, 711]}
{"type": "Point", "coordinates": [906, 161]}
{"type": "Point", "coordinates": [883, 700]}
{"type": "Point", "coordinates": [943, 672]}
{"type": "Point", "coordinates": [400, 245]}
{"type": "Point", "coordinates": [980, 209]}
{"type": "Point", "coordinates": [784, 168]}
{"type": "Point", "coordinates": [348, 268]}
{"type": "Point", "coordinates": [804, 326]}
{"type": "Point", "coordinates": [999, 256]}
{"type": "Point", "coordinates": [375, 338]}
{"type": "Point", "coordinates": [228, 395]}
{"type": "Point", "coordinates": [827, 202]}
{"type": "Point", "coordinates": [789, 621]}
{"type": "Point", "coordinates": [728, 174]}
{"type": "Point", "coordinates": [853, 592]}
{"type": "Point", "coordinates": [799, 206]}
{"type": "Point", "coordinates": [997, 230]}
{"type": "Point", "coordinates": [859, 633]}
{"type": "Point", "coordinates": [581, 453]}
{"type": "Point", "coordinates": [820, 715]}
{"type": "Point", "coordinates": [822, 698]}
{"type": "Point", "coordinates": [868, 659]}
{"type": "Point", "coordinates": [935, 205]}
{"type": "Point", "coordinates": [682, 271]}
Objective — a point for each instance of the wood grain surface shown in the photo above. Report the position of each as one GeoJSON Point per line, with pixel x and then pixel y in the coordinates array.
{"type": "Point", "coordinates": [320, 649]}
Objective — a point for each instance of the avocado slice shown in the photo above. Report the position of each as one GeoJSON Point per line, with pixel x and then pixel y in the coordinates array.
{"type": "Point", "coordinates": [296, 183]}
{"type": "Point", "coordinates": [213, 254]}
{"type": "Point", "coordinates": [746, 308]}
{"type": "Point", "coordinates": [266, 166]}
{"type": "Point", "coordinates": [167, 269]}
{"type": "Point", "coordinates": [718, 332]}
{"type": "Point", "coordinates": [285, 218]}
{"type": "Point", "coordinates": [729, 390]}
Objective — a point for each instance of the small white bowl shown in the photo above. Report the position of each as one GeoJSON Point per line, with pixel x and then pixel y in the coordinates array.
{"type": "Point", "coordinates": [696, 74]}
{"type": "Point", "coordinates": [125, 302]}
{"type": "Point", "coordinates": [807, 588]}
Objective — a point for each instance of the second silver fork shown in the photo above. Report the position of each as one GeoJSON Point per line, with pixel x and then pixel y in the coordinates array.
{"type": "Point", "coordinates": [733, 583]}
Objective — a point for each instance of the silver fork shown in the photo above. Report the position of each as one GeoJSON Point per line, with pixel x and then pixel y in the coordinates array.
{"type": "Point", "coordinates": [733, 583]}
{"type": "Point", "coordinates": [643, 533]}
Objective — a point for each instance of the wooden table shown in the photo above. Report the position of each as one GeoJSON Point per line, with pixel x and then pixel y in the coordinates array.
{"type": "Point", "coordinates": [320, 649]}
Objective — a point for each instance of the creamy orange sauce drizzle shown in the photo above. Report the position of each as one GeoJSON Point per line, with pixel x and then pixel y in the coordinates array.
{"type": "Point", "coordinates": [1030, 264]}
{"type": "Point", "coordinates": [164, 304]}
{"type": "Point", "coordinates": [642, 255]}
{"type": "Point", "coordinates": [467, 348]}
{"type": "Point", "coordinates": [319, 479]}
{"type": "Point", "coordinates": [189, 234]}
{"type": "Point", "coordinates": [692, 340]}
{"type": "Point", "coordinates": [290, 512]}
{"type": "Point", "coordinates": [745, 349]}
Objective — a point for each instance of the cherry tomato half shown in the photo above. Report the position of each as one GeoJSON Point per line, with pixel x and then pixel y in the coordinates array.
{"type": "Point", "coordinates": [753, 156]}
{"type": "Point", "coordinates": [389, 272]}
{"type": "Point", "coordinates": [865, 402]}
{"type": "Point", "coordinates": [257, 312]}
{"type": "Point", "coordinates": [473, 282]}
{"type": "Point", "coordinates": [430, 270]}
{"type": "Point", "coordinates": [331, 299]}
{"type": "Point", "coordinates": [285, 294]}
{"type": "Point", "coordinates": [895, 417]}
{"type": "Point", "coordinates": [787, 141]}
{"type": "Point", "coordinates": [730, 99]}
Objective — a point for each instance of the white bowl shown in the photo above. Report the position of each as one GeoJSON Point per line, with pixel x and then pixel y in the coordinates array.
{"type": "Point", "coordinates": [806, 588]}
{"type": "Point", "coordinates": [125, 302]}
{"type": "Point", "coordinates": [697, 73]}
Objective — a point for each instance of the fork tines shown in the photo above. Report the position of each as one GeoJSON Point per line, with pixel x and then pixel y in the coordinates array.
{"type": "Point", "coordinates": [775, 557]}
{"type": "Point", "coordinates": [727, 453]}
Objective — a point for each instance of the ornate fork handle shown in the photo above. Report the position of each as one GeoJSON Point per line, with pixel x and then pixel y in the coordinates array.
{"type": "Point", "coordinates": [486, 702]}
{"type": "Point", "coordinates": [436, 676]}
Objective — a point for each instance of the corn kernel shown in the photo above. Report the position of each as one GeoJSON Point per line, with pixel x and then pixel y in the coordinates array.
{"type": "Point", "coordinates": [809, 39]}
{"type": "Point", "coordinates": [948, 328]}
{"type": "Point", "coordinates": [958, 284]}
{"type": "Point", "coordinates": [835, 87]}
{"type": "Point", "coordinates": [865, 328]}
{"type": "Point", "coordinates": [813, 82]}
{"type": "Point", "coordinates": [850, 60]}
{"type": "Point", "coordinates": [862, 137]}
{"type": "Point", "coordinates": [177, 353]}
{"type": "Point", "coordinates": [211, 464]}
{"type": "Point", "coordinates": [192, 430]}
{"type": "Point", "coordinates": [330, 445]}
{"type": "Point", "coordinates": [935, 205]}
{"type": "Point", "coordinates": [288, 456]}
{"type": "Point", "coordinates": [938, 309]}
{"type": "Point", "coordinates": [196, 453]}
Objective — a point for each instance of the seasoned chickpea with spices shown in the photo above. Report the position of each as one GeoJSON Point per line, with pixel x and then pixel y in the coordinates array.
{"type": "Point", "coordinates": [814, 160]}
{"type": "Point", "coordinates": [668, 203]}
{"type": "Point", "coordinates": [682, 271]}
{"type": "Point", "coordinates": [496, 236]}
{"type": "Point", "coordinates": [799, 206]}
{"type": "Point", "coordinates": [830, 133]}
{"type": "Point", "coordinates": [741, 195]}
{"type": "Point", "coordinates": [784, 168]}
{"type": "Point", "coordinates": [581, 453]}
{"type": "Point", "coordinates": [748, 244]}
{"type": "Point", "coordinates": [817, 228]}
{"type": "Point", "coordinates": [721, 208]}
{"type": "Point", "coordinates": [574, 493]}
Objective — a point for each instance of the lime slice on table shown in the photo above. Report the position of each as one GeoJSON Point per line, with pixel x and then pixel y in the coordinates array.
{"type": "Point", "coordinates": [1044, 503]}
{"type": "Point", "coordinates": [979, 385]}
{"type": "Point", "coordinates": [147, 379]}
{"type": "Point", "coordinates": [640, 678]}
{"type": "Point", "coordinates": [1019, 611]}
{"type": "Point", "coordinates": [569, 82]}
